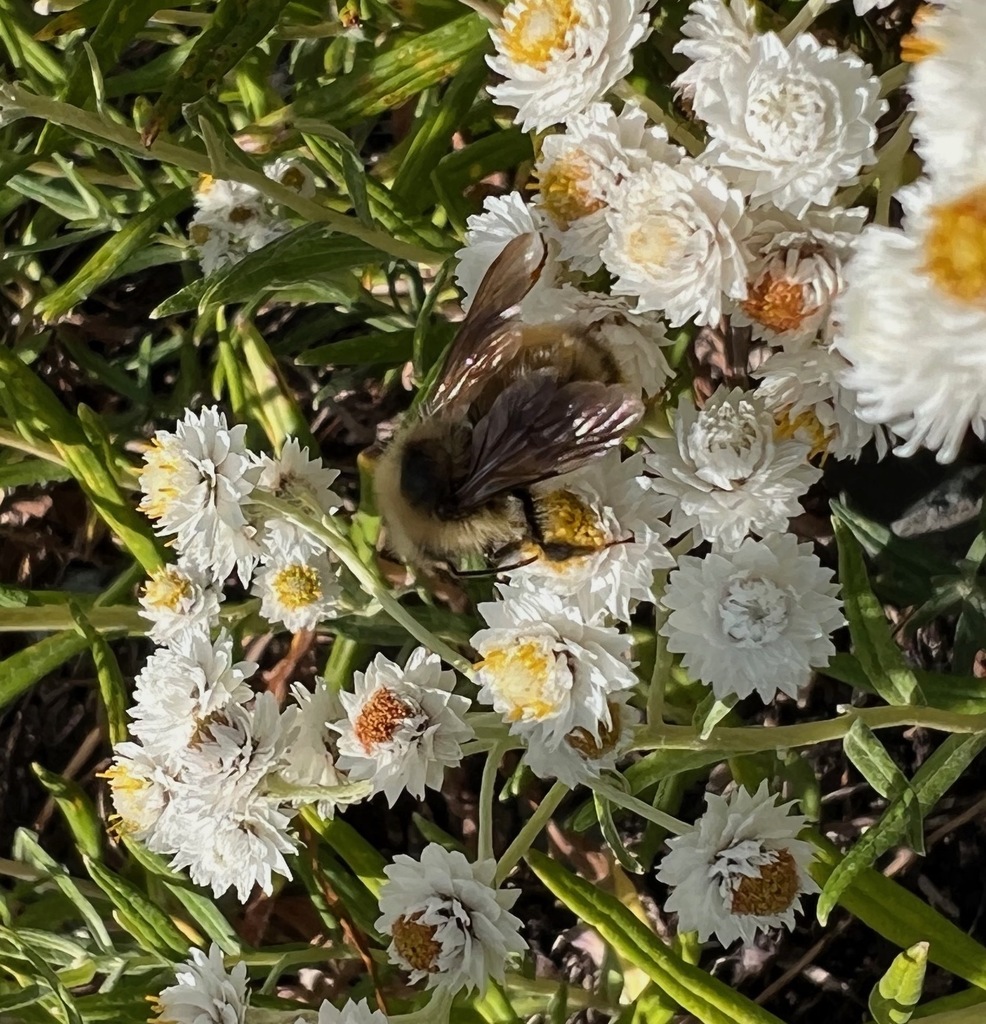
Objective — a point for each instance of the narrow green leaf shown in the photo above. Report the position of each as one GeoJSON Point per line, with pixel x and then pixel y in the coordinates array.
{"type": "Point", "coordinates": [413, 187]}
{"type": "Point", "coordinates": [366, 862]}
{"type": "Point", "coordinates": [627, 859]}
{"type": "Point", "coordinates": [694, 990]}
{"type": "Point", "coordinates": [112, 689]}
{"type": "Point", "coordinates": [104, 264]}
{"type": "Point", "coordinates": [874, 645]}
{"type": "Point", "coordinates": [711, 712]}
{"type": "Point", "coordinates": [869, 755]}
{"type": "Point", "coordinates": [930, 782]}
{"type": "Point", "coordinates": [148, 923]}
{"type": "Point", "coordinates": [235, 28]}
{"type": "Point", "coordinates": [391, 78]}
{"type": "Point", "coordinates": [38, 415]}
{"type": "Point", "coordinates": [896, 994]}
{"type": "Point", "coordinates": [208, 917]}
{"type": "Point", "coordinates": [22, 670]}
{"type": "Point", "coordinates": [77, 810]}
{"type": "Point", "coordinates": [900, 916]}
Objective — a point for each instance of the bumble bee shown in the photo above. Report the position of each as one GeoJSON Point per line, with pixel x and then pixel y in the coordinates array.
{"type": "Point", "coordinates": [514, 405]}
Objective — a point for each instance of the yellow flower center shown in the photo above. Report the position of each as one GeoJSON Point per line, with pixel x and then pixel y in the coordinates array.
{"type": "Point", "coordinates": [523, 677]}
{"type": "Point", "coordinates": [205, 183]}
{"type": "Point", "coordinates": [167, 588]}
{"type": "Point", "coordinates": [567, 519]}
{"type": "Point", "coordinates": [415, 943]}
{"type": "Point", "coordinates": [297, 586]}
{"type": "Point", "coordinates": [565, 191]}
{"type": "Point", "coordinates": [955, 248]}
{"type": "Point", "coordinates": [380, 717]}
{"type": "Point", "coordinates": [534, 29]}
{"type": "Point", "coordinates": [770, 892]}
{"type": "Point", "coordinates": [583, 742]}
{"type": "Point", "coordinates": [916, 46]}
{"type": "Point", "coordinates": [199, 234]}
{"type": "Point", "coordinates": [777, 304]}
{"type": "Point", "coordinates": [164, 461]}
{"type": "Point", "coordinates": [808, 425]}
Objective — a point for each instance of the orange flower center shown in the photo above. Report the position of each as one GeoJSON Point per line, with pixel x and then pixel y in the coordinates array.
{"type": "Point", "coordinates": [380, 717]}
{"type": "Point", "coordinates": [534, 29]}
{"type": "Point", "coordinates": [776, 303]}
{"type": "Point", "coordinates": [770, 892]}
{"type": "Point", "coordinates": [955, 248]}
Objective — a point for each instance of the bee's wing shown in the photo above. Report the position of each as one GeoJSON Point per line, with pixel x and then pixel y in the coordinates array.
{"type": "Point", "coordinates": [487, 338]}
{"type": "Point", "coordinates": [539, 428]}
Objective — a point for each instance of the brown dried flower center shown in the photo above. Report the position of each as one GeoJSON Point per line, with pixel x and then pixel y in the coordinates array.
{"type": "Point", "coordinates": [955, 247]}
{"type": "Point", "coordinates": [380, 717]}
{"type": "Point", "coordinates": [415, 943]}
{"type": "Point", "coordinates": [583, 742]}
{"type": "Point", "coordinates": [776, 303]}
{"type": "Point", "coordinates": [770, 892]}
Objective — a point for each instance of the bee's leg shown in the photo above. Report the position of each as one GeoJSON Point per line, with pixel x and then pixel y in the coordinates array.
{"type": "Point", "coordinates": [440, 579]}
{"type": "Point", "coordinates": [526, 500]}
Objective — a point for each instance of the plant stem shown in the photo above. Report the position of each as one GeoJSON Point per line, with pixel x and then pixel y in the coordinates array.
{"type": "Point", "coordinates": [659, 115]}
{"type": "Point", "coordinates": [531, 830]}
{"type": "Point", "coordinates": [484, 845]}
{"type": "Point", "coordinates": [20, 103]}
{"type": "Point", "coordinates": [803, 19]}
{"type": "Point", "coordinates": [638, 807]}
{"type": "Point", "coordinates": [750, 739]}
{"type": "Point", "coordinates": [343, 550]}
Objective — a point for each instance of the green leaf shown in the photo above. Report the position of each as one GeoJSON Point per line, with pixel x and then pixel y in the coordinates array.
{"type": "Point", "coordinates": [22, 670]}
{"type": "Point", "coordinates": [300, 255]}
{"type": "Point", "coordinates": [104, 264]}
{"type": "Point", "coordinates": [235, 28]}
{"type": "Point", "coordinates": [874, 645]}
{"type": "Point", "coordinates": [627, 859]}
{"type": "Point", "coordinates": [77, 810]}
{"type": "Point", "coordinates": [930, 782]}
{"type": "Point", "coordinates": [112, 688]}
{"type": "Point", "coordinates": [413, 187]}
{"type": "Point", "coordinates": [32, 471]}
{"type": "Point", "coordinates": [38, 415]}
{"type": "Point", "coordinates": [139, 915]}
{"type": "Point", "coordinates": [391, 78]}
{"type": "Point", "coordinates": [711, 712]}
{"type": "Point", "coordinates": [694, 990]}
{"type": "Point", "coordinates": [896, 994]}
{"type": "Point", "coordinates": [900, 916]}
{"type": "Point", "coordinates": [366, 862]}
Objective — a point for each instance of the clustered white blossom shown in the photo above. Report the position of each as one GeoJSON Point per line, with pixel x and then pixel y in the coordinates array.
{"type": "Point", "coordinates": [232, 219]}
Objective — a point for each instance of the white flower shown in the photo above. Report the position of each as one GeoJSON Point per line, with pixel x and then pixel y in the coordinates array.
{"type": "Point", "coordinates": [757, 620]}
{"type": "Point", "coordinates": [177, 598]}
{"type": "Point", "coordinates": [740, 869]}
{"type": "Point", "coordinates": [292, 174]}
{"type": "Point", "coordinates": [865, 6]}
{"type": "Point", "coordinates": [548, 671]}
{"type": "Point", "coordinates": [790, 124]}
{"type": "Point", "coordinates": [674, 243]}
{"type": "Point", "coordinates": [796, 271]}
{"type": "Point", "coordinates": [557, 56]}
{"type": "Point", "coordinates": [296, 584]}
{"type": "Point", "coordinates": [949, 117]}
{"type": "Point", "coordinates": [351, 1013]}
{"type": "Point", "coordinates": [446, 921]}
{"type": "Point", "coordinates": [912, 321]}
{"type": "Point", "coordinates": [587, 753]}
{"type": "Point", "coordinates": [633, 339]}
{"type": "Point", "coordinates": [196, 482]}
{"type": "Point", "coordinates": [237, 819]}
{"type": "Point", "coordinates": [579, 169]}
{"type": "Point", "coordinates": [181, 687]}
{"type": "Point", "coordinates": [803, 390]}
{"type": "Point", "coordinates": [144, 795]}
{"type": "Point", "coordinates": [205, 993]}
{"type": "Point", "coordinates": [608, 511]}
{"type": "Point", "coordinates": [503, 219]}
{"type": "Point", "coordinates": [713, 31]}
{"type": "Point", "coordinates": [296, 477]}
{"type": "Point", "coordinates": [312, 761]}
{"type": "Point", "coordinates": [729, 471]}
{"type": "Point", "coordinates": [403, 726]}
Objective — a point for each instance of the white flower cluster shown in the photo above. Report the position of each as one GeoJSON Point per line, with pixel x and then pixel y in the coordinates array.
{"type": "Point", "coordinates": [232, 219]}
{"type": "Point", "coordinates": [912, 321]}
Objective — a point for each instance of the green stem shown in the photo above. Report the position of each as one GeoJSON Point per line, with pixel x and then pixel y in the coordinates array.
{"type": "Point", "coordinates": [531, 830]}
{"type": "Point", "coordinates": [803, 20]}
{"type": "Point", "coordinates": [662, 662]}
{"type": "Point", "coordinates": [111, 618]}
{"type": "Point", "coordinates": [21, 103]}
{"type": "Point", "coordinates": [894, 78]}
{"type": "Point", "coordinates": [484, 845]}
{"type": "Point", "coordinates": [638, 807]}
{"type": "Point", "coordinates": [751, 739]}
{"type": "Point", "coordinates": [676, 130]}
{"type": "Point", "coordinates": [343, 550]}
